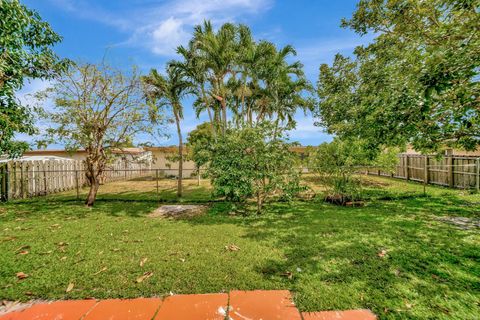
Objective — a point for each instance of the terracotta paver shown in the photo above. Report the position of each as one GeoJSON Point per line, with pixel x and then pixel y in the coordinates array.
{"type": "Point", "coordinates": [240, 305]}
{"type": "Point", "coordinates": [194, 307]}
{"type": "Point", "coordinates": [60, 310]}
{"type": "Point", "coordinates": [262, 305]}
{"type": "Point", "coordinates": [340, 315]}
{"type": "Point", "coordinates": [131, 309]}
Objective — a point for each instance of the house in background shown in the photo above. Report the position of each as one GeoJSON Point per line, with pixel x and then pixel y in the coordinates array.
{"type": "Point", "coordinates": [126, 155]}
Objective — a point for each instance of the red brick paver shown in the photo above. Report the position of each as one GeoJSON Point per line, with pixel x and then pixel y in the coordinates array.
{"type": "Point", "coordinates": [262, 305]}
{"type": "Point", "coordinates": [118, 309]}
{"type": "Point", "coordinates": [194, 307]}
{"type": "Point", "coordinates": [240, 305]}
{"type": "Point", "coordinates": [60, 310]}
{"type": "Point", "coordinates": [339, 315]}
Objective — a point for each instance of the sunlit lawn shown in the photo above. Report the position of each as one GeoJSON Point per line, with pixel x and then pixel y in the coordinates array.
{"type": "Point", "coordinates": [392, 256]}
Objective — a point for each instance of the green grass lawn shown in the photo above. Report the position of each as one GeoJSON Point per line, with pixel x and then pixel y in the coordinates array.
{"type": "Point", "coordinates": [391, 256]}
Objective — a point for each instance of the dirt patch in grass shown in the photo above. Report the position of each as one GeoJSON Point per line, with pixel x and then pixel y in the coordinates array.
{"type": "Point", "coordinates": [178, 211]}
{"type": "Point", "coordinates": [463, 223]}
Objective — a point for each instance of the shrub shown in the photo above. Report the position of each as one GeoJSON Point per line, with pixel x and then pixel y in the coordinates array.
{"type": "Point", "coordinates": [249, 163]}
{"type": "Point", "coordinates": [337, 163]}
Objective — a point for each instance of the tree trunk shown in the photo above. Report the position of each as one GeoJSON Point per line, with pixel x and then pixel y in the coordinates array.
{"type": "Point", "coordinates": [180, 155]}
{"type": "Point", "coordinates": [94, 165]}
{"type": "Point", "coordinates": [92, 193]}
{"type": "Point", "coordinates": [212, 124]}
{"type": "Point", "coordinates": [224, 116]}
{"type": "Point", "coordinates": [259, 203]}
{"type": "Point", "coordinates": [198, 176]}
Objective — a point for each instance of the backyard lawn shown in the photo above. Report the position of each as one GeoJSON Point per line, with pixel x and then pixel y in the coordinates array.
{"type": "Point", "coordinates": [395, 256]}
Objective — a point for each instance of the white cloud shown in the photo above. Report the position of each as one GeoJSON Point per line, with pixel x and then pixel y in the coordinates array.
{"type": "Point", "coordinates": [167, 35]}
{"type": "Point", "coordinates": [162, 26]}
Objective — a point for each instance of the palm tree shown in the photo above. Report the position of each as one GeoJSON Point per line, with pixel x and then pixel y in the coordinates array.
{"type": "Point", "coordinates": [168, 91]}
{"type": "Point", "coordinates": [218, 50]}
{"type": "Point", "coordinates": [194, 67]}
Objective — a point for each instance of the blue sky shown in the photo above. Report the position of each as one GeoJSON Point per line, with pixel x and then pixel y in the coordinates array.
{"type": "Point", "coordinates": [146, 32]}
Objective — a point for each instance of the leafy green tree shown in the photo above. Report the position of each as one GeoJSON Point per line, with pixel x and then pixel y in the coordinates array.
{"type": "Point", "coordinates": [200, 141]}
{"type": "Point", "coordinates": [417, 82]}
{"type": "Point", "coordinates": [99, 109]}
{"type": "Point", "coordinates": [249, 163]}
{"type": "Point", "coordinates": [26, 43]}
{"type": "Point", "coordinates": [168, 91]}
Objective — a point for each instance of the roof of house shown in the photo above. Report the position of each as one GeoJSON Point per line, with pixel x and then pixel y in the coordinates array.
{"type": "Point", "coordinates": [36, 158]}
{"type": "Point", "coordinates": [60, 151]}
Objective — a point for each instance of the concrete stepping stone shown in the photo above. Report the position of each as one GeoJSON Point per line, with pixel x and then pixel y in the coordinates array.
{"type": "Point", "coordinates": [194, 307]}
{"type": "Point", "coordinates": [339, 315]}
{"type": "Point", "coordinates": [131, 309]}
{"type": "Point", "coordinates": [262, 305]}
{"type": "Point", "coordinates": [59, 310]}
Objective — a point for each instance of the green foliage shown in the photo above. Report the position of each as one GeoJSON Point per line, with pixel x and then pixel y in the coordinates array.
{"type": "Point", "coordinates": [25, 53]}
{"type": "Point", "coordinates": [250, 163]}
{"type": "Point", "coordinates": [200, 141]}
{"type": "Point", "coordinates": [254, 80]}
{"type": "Point", "coordinates": [337, 162]}
{"type": "Point", "coordinates": [417, 82]}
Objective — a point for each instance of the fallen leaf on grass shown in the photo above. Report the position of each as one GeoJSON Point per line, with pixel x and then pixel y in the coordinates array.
{"type": "Point", "coordinates": [8, 239]}
{"type": "Point", "coordinates": [232, 247]}
{"type": "Point", "coordinates": [21, 275]}
{"type": "Point", "coordinates": [145, 276]}
{"type": "Point", "coordinates": [100, 271]}
{"type": "Point", "coordinates": [22, 248]}
{"type": "Point", "coordinates": [382, 253]}
{"type": "Point", "coordinates": [143, 261]}
{"type": "Point", "coordinates": [23, 252]}
{"type": "Point", "coordinates": [70, 287]}
{"type": "Point", "coordinates": [288, 274]}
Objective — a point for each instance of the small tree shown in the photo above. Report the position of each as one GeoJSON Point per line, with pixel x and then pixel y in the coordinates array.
{"type": "Point", "coordinates": [337, 163]}
{"type": "Point", "coordinates": [100, 109]}
{"type": "Point", "coordinates": [200, 141]}
{"type": "Point", "coordinates": [249, 163]}
{"type": "Point", "coordinates": [26, 43]}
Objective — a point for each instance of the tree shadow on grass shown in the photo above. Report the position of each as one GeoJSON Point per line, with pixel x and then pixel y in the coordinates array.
{"type": "Point", "coordinates": [391, 256]}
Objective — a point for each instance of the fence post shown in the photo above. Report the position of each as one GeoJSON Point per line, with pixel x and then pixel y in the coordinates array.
{"type": "Point", "coordinates": [425, 170]}
{"type": "Point", "coordinates": [3, 183]}
{"type": "Point", "coordinates": [156, 178]}
{"type": "Point", "coordinates": [478, 175]}
{"type": "Point", "coordinates": [407, 163]}
{"type": "Point", "coordinates": [45, 190]}
{"type": "Point", "coordinates": [76, 184]}
{"type": "Point", "coordinates": [22, 180]}
{"type": "Point", "coordinates": [425, 174]}
{"type": "Point", "coordinates": [450, 171]}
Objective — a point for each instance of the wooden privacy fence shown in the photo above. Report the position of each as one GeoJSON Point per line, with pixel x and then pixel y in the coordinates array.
{"type": "Point", "coordinates": [25, 179]}
{"type": "Point", "coordinates": [450, 171]}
